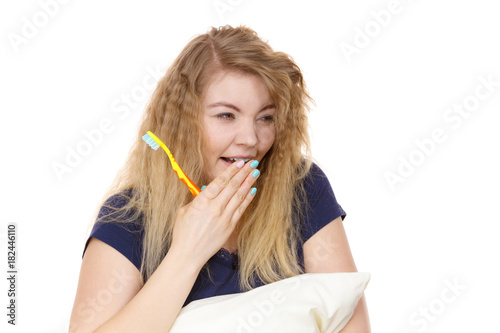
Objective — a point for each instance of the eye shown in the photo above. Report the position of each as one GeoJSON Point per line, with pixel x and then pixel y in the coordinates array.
{"type": "Point", "coordinates": [268, 119]}
{"type": "Point", "coordinates": [225, 116]}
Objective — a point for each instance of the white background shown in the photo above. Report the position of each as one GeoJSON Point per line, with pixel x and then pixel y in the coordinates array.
{"type": "Point", "coordinates": [437, 225]}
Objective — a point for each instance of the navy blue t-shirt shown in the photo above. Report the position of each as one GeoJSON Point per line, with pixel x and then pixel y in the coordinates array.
{"type": "Point", "coordinates": [127, 237]}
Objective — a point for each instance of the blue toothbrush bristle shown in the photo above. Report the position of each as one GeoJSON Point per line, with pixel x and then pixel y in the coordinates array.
{"type": "Point", "coordinates": [152, 143]}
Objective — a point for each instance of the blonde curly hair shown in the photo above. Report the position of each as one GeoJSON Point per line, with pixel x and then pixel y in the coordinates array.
{"type": "Point", "coordinates": [173, 114]}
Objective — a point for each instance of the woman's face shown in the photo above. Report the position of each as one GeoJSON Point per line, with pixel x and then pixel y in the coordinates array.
{"type": "Point", "coordinates": [237, 120]}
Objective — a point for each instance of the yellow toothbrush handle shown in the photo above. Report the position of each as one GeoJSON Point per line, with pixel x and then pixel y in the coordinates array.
{"type": "Point", "coordinates": [182, 176]}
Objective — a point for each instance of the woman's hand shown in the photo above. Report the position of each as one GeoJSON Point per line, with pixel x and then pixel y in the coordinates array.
{"type": "Point", "coordinates": [204, 225]}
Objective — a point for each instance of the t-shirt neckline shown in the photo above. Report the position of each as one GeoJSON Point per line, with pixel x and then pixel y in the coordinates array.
{"type": "Point", "coordinates": [226, 256]}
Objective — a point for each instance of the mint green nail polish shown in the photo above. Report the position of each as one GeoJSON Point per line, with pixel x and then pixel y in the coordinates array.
{"type": "Point", "coordinates": [203, 187]}
{"type": "Point", "coordinates": [254, 164]}
{"type": "Point", "coordinates": [255, 173]}
{"type": "Point", "coordinates": [253, 191]}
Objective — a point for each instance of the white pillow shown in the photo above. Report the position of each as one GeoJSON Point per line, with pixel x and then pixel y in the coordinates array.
{"type": "Point", "coordinates": [312, 302]}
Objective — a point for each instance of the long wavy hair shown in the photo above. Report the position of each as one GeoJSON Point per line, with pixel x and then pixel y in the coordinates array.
{"type": "Point", "coordinates": [173, 114]}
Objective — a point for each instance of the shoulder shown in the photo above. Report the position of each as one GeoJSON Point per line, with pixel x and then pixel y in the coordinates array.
{"type": "Point", "coordinates": [120, 227]}
{"type": "Point", "coordinates": [116, 203]}
{"type": "Point", "coordinates": [321, 205]}
{"type": "Point", "coordinates": [315, 180]}
{"type": "Point", "coordinates": [319, 192]}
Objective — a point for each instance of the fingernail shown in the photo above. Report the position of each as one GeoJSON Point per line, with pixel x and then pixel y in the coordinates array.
{"type": "Point", "coordinates": [255, 173]}
{"type": "Point", "coordinates": [254, 164]}
{"type": "Point", "coordinates": [203, 187]}
{"type": "Point", "coordinates": [253, 190]}
{"type": "Point", "coordinates": [240, 164]}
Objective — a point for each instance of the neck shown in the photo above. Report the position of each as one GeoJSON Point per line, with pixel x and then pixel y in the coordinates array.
{"type": "Point", "coordinates": [231, 243]}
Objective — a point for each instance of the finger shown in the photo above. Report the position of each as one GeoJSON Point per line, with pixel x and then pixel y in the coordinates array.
{"type": "Point", "coordinates": [236, 182]}
{"type": "Point", "coordinates": [218, 184]}
{"type": "Point", "coordinates": [242, 207]}
{"type": "Point", "coordinates": [241, 199]}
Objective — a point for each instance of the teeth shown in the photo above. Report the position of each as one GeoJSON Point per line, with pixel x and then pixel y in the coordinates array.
{"type": "Point", "coordinates": [238, 159]}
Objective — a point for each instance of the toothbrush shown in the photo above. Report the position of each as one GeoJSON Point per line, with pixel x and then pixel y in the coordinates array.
{"type": "Point", "coordinates": [155, 143]}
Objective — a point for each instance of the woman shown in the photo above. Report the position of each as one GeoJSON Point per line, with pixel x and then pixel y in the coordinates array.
{"type": "Point", "coordinates": [228, 104]}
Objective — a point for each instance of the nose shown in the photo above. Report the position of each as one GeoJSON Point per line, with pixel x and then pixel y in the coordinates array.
{"type": "Point", "coordinates": [247, 134]}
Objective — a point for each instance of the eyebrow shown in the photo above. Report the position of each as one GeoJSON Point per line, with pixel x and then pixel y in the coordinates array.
{"type": "Point", "coordinates": [234, 107]}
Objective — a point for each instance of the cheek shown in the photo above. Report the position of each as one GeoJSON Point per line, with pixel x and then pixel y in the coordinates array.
{"type": "Point", "coordinates": [217, 141]}
{"type": "Point", "coordinates": [267, 138]}
{"type": "Point", "coordinates": [209, 137]}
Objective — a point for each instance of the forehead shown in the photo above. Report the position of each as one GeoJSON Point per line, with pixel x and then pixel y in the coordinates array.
{"type": "Point", "coordinates": [237, 86]}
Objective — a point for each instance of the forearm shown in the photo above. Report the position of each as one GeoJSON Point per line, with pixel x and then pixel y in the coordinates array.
{"type": "Point", "coordinates": [158, 303]}
{"type": "Point", "coordinates": [360, 321]}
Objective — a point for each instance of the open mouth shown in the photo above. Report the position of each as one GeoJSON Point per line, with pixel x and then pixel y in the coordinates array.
{"type": "Point", "coordinates": [232, 160]}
